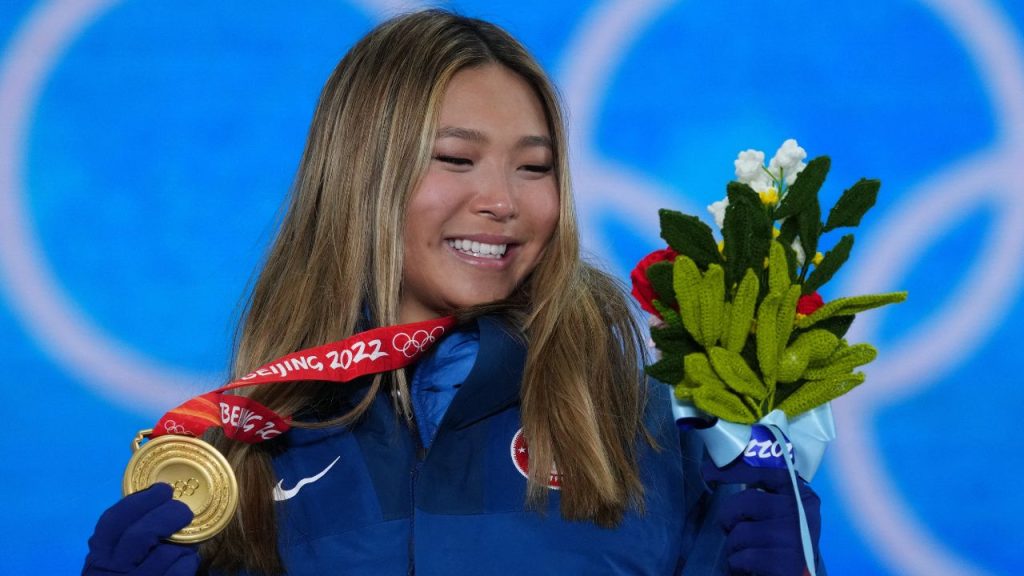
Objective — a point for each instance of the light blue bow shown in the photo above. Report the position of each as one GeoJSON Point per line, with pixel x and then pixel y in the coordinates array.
{"type": "Point", "coordinates": [810, 433]}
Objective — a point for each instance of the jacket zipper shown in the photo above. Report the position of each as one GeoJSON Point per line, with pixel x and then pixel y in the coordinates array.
{"type": "Point", "coordinates": [412, 520]}
{"type": "Point", "coordinates": [421, 455]}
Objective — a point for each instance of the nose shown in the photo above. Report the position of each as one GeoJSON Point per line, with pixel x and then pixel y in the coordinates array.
{"type": "Point", "coordinates": [495, 198]}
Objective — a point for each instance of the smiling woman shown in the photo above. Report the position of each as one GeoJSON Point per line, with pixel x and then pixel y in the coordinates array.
{"type": "Point", "coordinates": [483, 213]}
{"type": "Point", "coordinates": [434, 182]}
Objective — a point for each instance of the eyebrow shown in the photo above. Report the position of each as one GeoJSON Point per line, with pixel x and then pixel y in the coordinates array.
{"type": "Point", "coordinates": [478, 136]}
{"type": "Point", "coordinates": [530, 141]}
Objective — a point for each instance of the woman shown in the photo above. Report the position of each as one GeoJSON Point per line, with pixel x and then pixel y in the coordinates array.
{"type": "Point", "coordinates": [435, 182]}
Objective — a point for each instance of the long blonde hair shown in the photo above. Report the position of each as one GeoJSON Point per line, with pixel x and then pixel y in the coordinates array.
{"type": "Point", "coordinates": [338, 258]}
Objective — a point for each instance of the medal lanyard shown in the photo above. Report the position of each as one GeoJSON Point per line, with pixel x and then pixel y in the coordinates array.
{"type": "Point", "coordinates": [243, 419]}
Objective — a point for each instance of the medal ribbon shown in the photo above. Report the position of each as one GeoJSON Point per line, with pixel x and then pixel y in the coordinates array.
{"type": "Point", "coordinates": [370, 352]}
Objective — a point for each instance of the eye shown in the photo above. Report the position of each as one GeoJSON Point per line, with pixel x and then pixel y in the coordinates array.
{"type": "Point", "coordinates": [453, 160]}
{"type": "Point", "coordinates": [537, 168]}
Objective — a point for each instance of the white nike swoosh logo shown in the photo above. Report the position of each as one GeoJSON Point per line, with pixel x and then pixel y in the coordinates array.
{"type": "Point", "coordinates": [280, 494]}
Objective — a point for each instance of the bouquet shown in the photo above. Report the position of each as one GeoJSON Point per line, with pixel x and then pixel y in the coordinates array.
{"type": "Point", "coordinates": [742, 332]}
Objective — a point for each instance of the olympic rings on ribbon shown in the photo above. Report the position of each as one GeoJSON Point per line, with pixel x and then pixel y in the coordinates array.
{"type": "Point", "coordinates": [411, 345]}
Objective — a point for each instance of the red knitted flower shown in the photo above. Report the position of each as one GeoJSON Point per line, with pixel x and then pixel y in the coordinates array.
{"type": "Point", "coordinates": [642, 289]}
{"type": "Point", "coordinates": [808, 303]}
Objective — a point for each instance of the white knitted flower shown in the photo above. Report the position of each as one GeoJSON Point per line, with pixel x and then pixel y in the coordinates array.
{"type": "Point", "coordinates": [749, 166]}
{"type": "Point", "coordinates": [799, 249]}
{"type": "Point", "coordinates": [717, 209]}
{"type": "Point", "coordinates": [788, 160]}
{"type": "Point", "coordinates": [763, 185]}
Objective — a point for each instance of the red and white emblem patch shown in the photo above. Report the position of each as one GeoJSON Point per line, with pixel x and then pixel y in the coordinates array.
{"type": "Point", "coordinates": [521, 459]}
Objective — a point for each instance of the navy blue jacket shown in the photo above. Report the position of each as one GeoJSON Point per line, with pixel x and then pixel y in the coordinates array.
{"type": "Point", "coordinates": [372, 500]}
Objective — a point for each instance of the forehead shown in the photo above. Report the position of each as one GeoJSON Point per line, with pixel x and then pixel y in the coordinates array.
{"type": "Point", "coordinates": [493, 100]}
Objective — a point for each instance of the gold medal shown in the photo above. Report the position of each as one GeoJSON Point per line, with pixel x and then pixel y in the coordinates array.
{"type": "Point", "coordinates": [198, 472]}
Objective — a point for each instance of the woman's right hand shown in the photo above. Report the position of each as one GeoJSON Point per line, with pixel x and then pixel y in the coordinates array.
{"type": "Point", "coordinates": [129, 537]}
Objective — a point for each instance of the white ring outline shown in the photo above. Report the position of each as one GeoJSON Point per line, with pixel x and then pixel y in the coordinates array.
{"type": "Point", "coordinates": [969, 317]}
{"type": "Point", "coordinates": [110, 367]}
{"type": "Point", "coordinates": [416, 341]}
{"type": "Point", "coordinates": [587, 69]}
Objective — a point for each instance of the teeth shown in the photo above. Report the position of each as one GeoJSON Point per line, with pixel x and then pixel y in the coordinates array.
{"type": "Point", "coordinates": [479, 249]}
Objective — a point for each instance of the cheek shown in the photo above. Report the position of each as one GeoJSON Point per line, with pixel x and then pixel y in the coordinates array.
{"type": "Point", "coordinates": [545, 214]}
{"type": "Point", "coordinates": [430, 206]}
{"type": "Point", "coordinates": [438, 197]}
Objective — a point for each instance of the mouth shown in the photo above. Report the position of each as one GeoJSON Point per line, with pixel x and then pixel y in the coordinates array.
{"type": "Point", "coordinates": [477, 249]}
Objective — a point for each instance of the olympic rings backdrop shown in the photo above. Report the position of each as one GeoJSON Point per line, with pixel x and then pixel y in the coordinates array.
{"type": "Point", "coordinates": [146, 146]}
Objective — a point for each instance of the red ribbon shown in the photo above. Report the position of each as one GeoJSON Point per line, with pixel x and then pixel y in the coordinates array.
{"type": "Point", "coordinates": [370, 352]}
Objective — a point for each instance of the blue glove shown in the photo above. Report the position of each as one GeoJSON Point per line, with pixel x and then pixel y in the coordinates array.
{"type": "Point", "coordinates": [761, 522]}
{"type": "Point", "coordinates": [129, 537]}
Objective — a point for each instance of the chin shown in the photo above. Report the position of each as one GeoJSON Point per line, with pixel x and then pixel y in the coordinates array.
{"type": "Point", "coordinates": [481, 298]}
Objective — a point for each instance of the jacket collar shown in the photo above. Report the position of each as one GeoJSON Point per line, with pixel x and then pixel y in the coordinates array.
{"type": "Point", "coordinates": [494, 381]}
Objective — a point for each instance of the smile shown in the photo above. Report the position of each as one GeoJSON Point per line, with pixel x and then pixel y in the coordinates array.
{"type": "Point", "coordinates": [479, 249]}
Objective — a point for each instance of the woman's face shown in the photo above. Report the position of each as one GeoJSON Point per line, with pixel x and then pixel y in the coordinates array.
{"type": "Point", "coordinates": [488, 203]}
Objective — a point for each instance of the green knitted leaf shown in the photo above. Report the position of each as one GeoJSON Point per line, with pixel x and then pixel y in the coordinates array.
{"type": "Point", "coordinates": [830, 264]}
{"type": "Point", "coordinates": [820, 344]}
{"type": "Point", "coordinates": [801, 204]}
{"type": "Point", "coordinates": [726, 321]}
{"type": "Point", "coordinates": [810, 230]}
{"type": "Point", "coordinates": [814, 393]}
{"type": "Point", "coordinates": [686, 280]}
{"type": "Point", "coordinates": [747, 232]}
{"type": "Point", "coordinates": [689, 236]}
{"type": "Point", "coordinates": [699, 373]}
{"type": "Point", "coordinates": [712, 305]}
{"type": "Point", "coordinates": [853, 204]}
{"type": "Point", "coordinates": [778, 269]}
{"type": "Point", "coordinates": [724, 404]}
{"type": "Point", "coordinates": [792, 364]}
{"type": "Point", "coordinates": [791, 262]}
{"type": "Point", "coordinates": [660, 276]}
{"type": "Point", "coordinates": [851, 305]}
{"type": "Point", "coordinates": [683, 392]}
{"type": "Point", "coordinates": [669, 316]}
{"type": "Point", "coordinates": [786, 317]}
{"type": "Point", "coordinates": [788, 231]}
{"type": "Point", "coordinates": [767, 344]}
{"type": "Point", "coordinates": [842, 361]}
{"type": "Point", "coordinates": [803, 194]}
{"type": "Point", "coordinates": [741, 314]}
{"type": "Point", "coordinates": [673, 340]}
{"type": "Point", "coordinates": [733, 370]}
{"type": "Point", "coordinates": [837, 325]}
{"type": "Point", "coordinates": [668, 370]}
{"type": "Point", "coordinates": [808, 347]}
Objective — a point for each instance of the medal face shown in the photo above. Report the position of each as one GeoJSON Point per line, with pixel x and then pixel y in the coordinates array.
{"type": "Point", "coordinates": [201, 478]}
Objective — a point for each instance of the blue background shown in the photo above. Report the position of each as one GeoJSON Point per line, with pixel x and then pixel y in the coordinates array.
{"type": "Point", "coordinates": [154, 155]}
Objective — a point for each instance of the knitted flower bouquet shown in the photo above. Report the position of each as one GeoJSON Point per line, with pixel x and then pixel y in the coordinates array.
{"type": "Point", "coordinates": [742, 332]}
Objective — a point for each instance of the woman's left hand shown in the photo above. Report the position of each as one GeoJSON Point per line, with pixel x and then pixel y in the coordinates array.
{"type": "Point", "coordinates": [761, 522]}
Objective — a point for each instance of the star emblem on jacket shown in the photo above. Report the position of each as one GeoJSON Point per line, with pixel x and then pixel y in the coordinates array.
{"type": "Point", "coordinates": [520, 452]}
